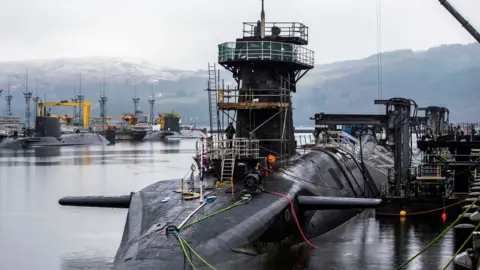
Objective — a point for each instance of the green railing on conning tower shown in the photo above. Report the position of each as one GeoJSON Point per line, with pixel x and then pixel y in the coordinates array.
{"type": "Point", "coordinates": [265, 50]}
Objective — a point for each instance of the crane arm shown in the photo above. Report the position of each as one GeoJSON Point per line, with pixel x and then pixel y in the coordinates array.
{"type": "Point", "coordinates": [461, 19]}
{"type": "Point", "coordinates": [66, 104]}
{"type": "Point", "coordinates": [85, 104]}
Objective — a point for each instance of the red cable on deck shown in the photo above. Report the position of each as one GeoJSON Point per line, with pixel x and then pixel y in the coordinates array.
{"type": "Point", "coordinates": [294, 214]}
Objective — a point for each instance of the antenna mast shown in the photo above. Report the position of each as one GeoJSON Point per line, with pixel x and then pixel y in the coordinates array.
{"type": "Point", "coordinates": [28, 96]}
{"type": "Point", "coordinates": [136, 100]}
{"type": "Point", "coordinates": [80, 101]}
{"type": "Point", "coordinates": [36, 98]}
{"type": "Point", "coordinates": [262, 21]}
{"type": "Point", "coordinates": [74, 99]}
{"type": "Point", "coordinates": [103, 104]}
{"type": "Point", "coordinates": [9, 98]}
{"type": "Point", "coordinates": [152, 103]}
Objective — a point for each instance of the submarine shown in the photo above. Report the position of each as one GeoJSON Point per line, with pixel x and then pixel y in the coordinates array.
{"type": "Point", "coordinates": [253, 194]}
{"type": "Point", "coordinates": [47, 134]}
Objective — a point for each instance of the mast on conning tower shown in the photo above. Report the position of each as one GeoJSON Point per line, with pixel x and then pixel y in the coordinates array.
{"type": "Point", "coordinates": [262, 21]}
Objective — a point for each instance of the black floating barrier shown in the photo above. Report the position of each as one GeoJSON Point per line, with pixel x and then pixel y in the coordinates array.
{"type": "Point", "coordinates": [97, 201]}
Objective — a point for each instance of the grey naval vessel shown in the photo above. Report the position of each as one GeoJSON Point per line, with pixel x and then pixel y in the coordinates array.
{"type": "Point", "coordinates": [255, 193]}
{"type": "Point", "coordinates": [47, 134]}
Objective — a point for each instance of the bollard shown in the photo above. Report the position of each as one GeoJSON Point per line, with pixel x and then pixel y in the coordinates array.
{"type": "Point", "coordinates": [462, 232]}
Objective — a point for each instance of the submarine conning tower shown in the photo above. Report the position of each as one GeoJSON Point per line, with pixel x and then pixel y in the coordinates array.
{"type": "Point", "coordinates": [266, 63]}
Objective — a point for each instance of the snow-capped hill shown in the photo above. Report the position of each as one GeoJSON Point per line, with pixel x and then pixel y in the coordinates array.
{"type": "Point", "coordinates": [93, 69]}
{"type": "Point", "coordinates": [429, 77]}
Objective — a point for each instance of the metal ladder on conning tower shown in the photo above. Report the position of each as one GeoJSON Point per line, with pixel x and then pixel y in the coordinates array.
{"type": "Point", "coordinates": [212, 97]}
{"type": "Point", "coordinates": [228, 167]}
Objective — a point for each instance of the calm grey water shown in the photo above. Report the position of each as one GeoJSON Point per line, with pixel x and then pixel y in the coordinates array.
{"type": "Point", "coordinates": [37, 233]}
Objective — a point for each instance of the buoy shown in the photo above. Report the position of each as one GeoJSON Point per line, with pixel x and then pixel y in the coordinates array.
{"type": "Point", "coordinates": [444, 216]}
{"type": "Point", "coordinates": [403, 213]}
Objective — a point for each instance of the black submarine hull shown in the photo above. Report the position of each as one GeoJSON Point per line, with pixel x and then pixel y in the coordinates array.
{"type": "Point", "coordinates": [264, 224]}
{"type": "Point", "coordinates": [64, 140]}
{"type": "Point", "coordinates": [139, 135]}
{"type": "Point", "coordinates": [158, 135]}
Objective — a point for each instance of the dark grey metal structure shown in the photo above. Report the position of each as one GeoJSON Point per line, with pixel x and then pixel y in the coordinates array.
{"type": "Point", "coordinates": [436, 120]}
{"type": "Point", "coordinates": [471, 30]}
{"type": "Point", "coordinates": [151, 101]}
{"type": "Point", "coordinates": [28, 97]}
{"type": "Point", "coordinates": [9, 98]}
{"type": "Point", "coordinates": [103, 103]}
{"type": "Point", "coordinates": [80, 98]}
{"type": "Point", "coordinates": [399, 111]}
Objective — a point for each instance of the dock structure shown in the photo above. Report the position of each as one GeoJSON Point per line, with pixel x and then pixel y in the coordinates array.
{"type": "Point", "coordinates": [468, 146]}
{"type": "Point", "coordinates": [437, 175]}
{"type": "Point", "coordinates": [266, 63]}
{"type": "Point", "coordinates": [397, 125]}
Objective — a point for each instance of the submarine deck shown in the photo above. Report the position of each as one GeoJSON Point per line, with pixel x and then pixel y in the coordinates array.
{"type": "Point", "coordinates": [236, 234]}
{"type": "Point", "coordinates": [161, 204]}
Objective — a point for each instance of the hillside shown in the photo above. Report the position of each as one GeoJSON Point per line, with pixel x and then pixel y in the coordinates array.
{"type": "Point", "coordinates": [443, 76]}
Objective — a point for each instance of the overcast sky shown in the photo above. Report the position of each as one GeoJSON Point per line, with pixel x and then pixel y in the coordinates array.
{"type": "Point", "coordinates": [185, 33]}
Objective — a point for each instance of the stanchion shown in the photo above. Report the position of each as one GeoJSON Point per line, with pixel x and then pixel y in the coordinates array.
{"type": "Point", "coordinates": [202, 175]}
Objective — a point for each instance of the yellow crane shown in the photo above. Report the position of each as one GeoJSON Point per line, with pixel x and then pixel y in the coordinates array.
{"type": "Point", "coordinates": [67, 118]}
{"type": "Point", "coordinates": [161, 119]}
{"type": "Point", "coordinates": [131, 119]}
{"type": "Point", "coordinates": [85, 104]}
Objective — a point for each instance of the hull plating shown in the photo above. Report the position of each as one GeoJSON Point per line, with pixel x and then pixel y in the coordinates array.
{"type": "Point", "coordinates": [246, 230]}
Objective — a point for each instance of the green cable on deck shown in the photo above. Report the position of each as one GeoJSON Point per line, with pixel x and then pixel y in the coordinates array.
{"type": "Point", "coordinates": [184, 242]}
{"type": "Point", "coordinates": [213, 214]}
{"type": "Point", "coordinates": [185, 253]}
{"type": "Point", "coordinates": [181, 239]}
{"type": "Point", "coordinates": [439, 236]}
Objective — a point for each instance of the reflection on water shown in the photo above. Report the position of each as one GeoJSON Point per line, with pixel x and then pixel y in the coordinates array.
{"type": "Point", "coordinates": [369, 242]}
{"type": "Point", "coordinates": [34, 226]}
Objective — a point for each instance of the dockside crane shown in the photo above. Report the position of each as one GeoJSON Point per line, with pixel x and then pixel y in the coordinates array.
{"type": "Point", "coordinates": [85, 105]}
{"type": "Point", "coordinates": [469, 27]}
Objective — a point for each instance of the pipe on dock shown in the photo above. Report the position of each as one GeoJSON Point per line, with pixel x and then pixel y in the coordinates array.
{"type": "Point", "coordinates": [97, 201]}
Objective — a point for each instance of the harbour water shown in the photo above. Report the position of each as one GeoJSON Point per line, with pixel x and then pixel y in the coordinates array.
{"type": "Point", "coordinates": [37, 233]}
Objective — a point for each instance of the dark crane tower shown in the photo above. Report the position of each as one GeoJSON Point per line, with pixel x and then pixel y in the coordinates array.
{"type": "Point", "coordinates": [9, 98]}
{"type": "Point", "coordinates": [35, 99]}
{"type": "Point", "coordinates": [103, 104]}
{"type": "Point", "coordinates": [28, 96]}
{"type": "Point", "coordinates": [151, 101]}
{"type": "Point", "coordinates": [136, 100]}
{"type": "Point", "coordinates": [74, 99]}
{"type": "Point", "coordinates": [80, 98]}
{"type": "Point", "coordinates": [266, 63]}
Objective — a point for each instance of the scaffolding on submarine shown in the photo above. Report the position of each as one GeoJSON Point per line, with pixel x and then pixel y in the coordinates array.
{"type": "Point", "coordinates": [224, 104]}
